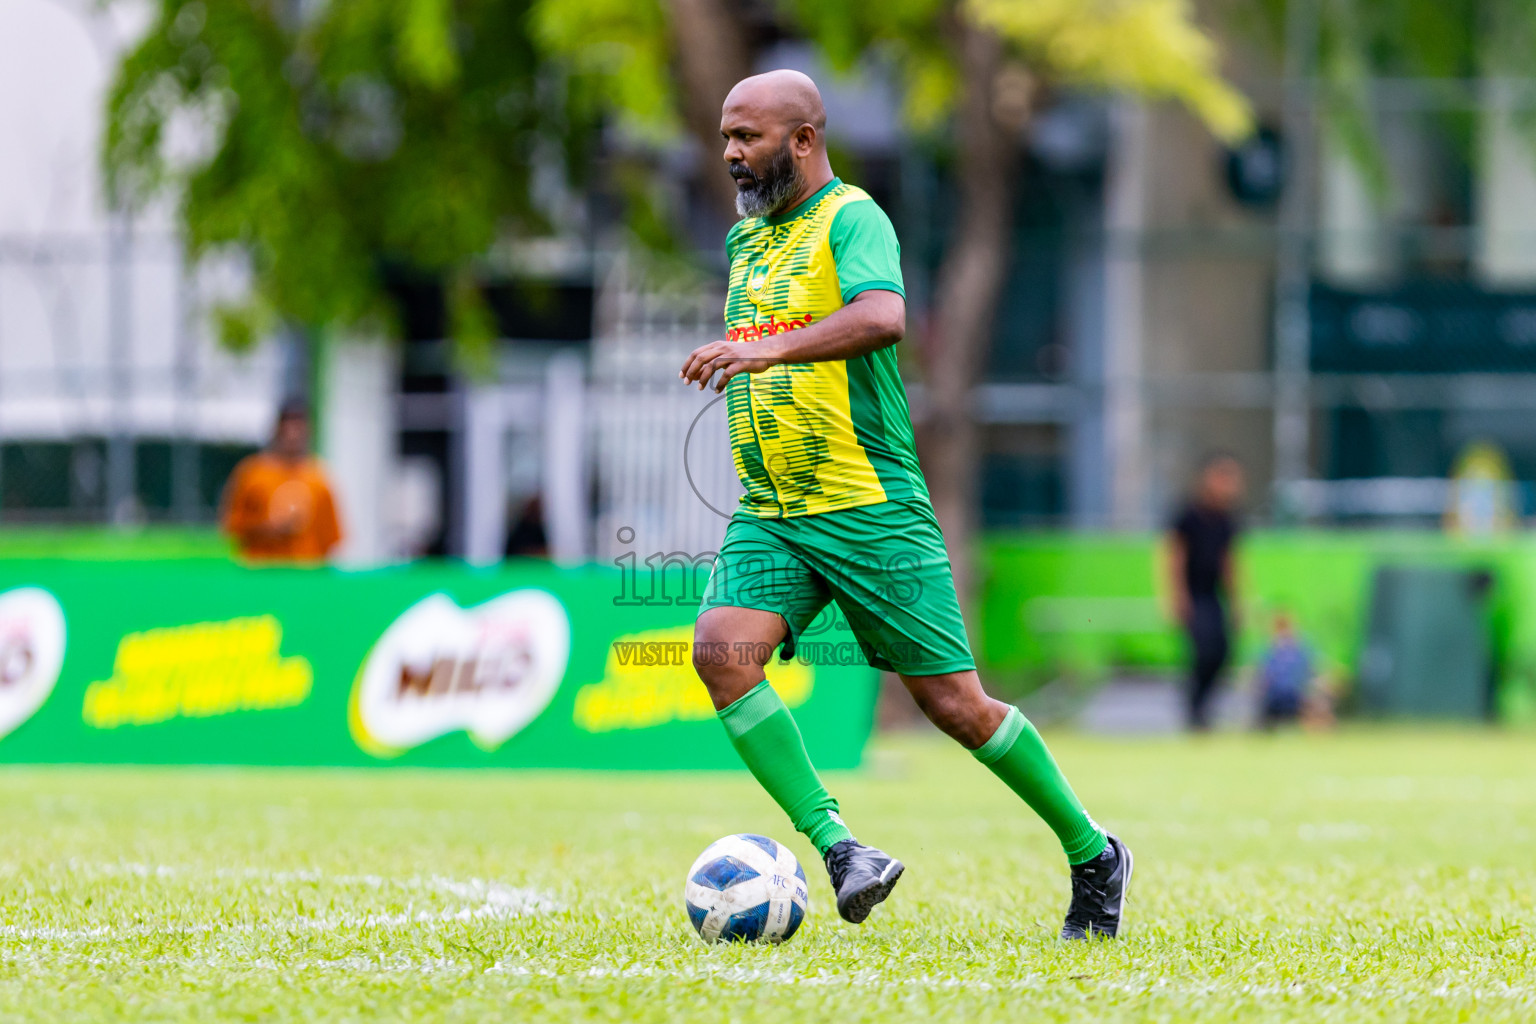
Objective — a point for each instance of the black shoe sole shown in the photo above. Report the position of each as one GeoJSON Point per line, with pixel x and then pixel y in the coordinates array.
{"type": "Point", "coordinates": [857, 906]}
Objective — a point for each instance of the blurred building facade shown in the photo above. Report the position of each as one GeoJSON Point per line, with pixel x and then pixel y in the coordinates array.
{"type": "Point", "coordinates": [1409, 324]}
{"type": "Point", "coordinates": [1345, 334]}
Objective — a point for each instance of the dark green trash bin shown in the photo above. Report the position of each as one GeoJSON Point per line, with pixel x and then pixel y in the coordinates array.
{"type": "Point", "coordinates": [1428, 648]}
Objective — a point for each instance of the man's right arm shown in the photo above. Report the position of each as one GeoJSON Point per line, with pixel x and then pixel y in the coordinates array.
{"type": "Point", "coordinates": [232, 511]}
{"type": "Point", "coordinates": [1173, 562]}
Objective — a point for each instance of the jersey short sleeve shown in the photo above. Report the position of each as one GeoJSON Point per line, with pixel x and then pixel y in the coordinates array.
{"type": "Point", "coordinates": [865, 249]}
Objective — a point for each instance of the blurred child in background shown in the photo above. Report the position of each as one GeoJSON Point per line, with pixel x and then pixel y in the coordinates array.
{"type": "Point", "coordinates": [1290, 688]}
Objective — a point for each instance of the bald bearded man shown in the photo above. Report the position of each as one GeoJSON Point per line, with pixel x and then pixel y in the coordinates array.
{"type": "Point", "coordinates": [835, 506]}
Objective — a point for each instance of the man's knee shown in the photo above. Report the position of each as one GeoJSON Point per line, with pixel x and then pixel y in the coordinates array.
{"type": "Point", "coordinates": [958, 706]}
{"type": "Point", "coordinates": [709, 657]}
{"type": "Point", "coordinates": [727, 668]}
{"type": "Point", "coordinates": [955, 716]}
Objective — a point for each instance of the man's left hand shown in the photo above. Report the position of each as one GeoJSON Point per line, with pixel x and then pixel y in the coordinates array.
{"type": "Point", "coordinates": [728, 358]}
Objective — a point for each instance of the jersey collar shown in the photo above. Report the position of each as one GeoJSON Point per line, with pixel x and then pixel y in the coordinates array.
{"type": "Point", "coordinates": [804, 207]}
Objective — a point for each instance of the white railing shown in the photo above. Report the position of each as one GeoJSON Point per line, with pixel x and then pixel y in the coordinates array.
{"type": "Point", "coordinates": [665, 482]}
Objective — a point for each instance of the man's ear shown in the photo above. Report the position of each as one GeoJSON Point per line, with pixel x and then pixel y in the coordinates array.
{"type": "Point", "coordinates": [805, 140]}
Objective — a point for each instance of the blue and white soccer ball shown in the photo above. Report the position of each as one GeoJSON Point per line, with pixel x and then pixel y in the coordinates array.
{"type": "Point", "coordinates": [746, 888]}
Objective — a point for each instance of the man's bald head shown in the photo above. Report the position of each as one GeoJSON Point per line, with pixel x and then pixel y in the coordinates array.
{"type": "Point", "coordinates": [788, 97]}
{"type": "Point", "coordinates": [774, 128]}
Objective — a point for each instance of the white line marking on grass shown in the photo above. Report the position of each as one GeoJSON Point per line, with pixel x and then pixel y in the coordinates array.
{"type": "Point", "coordinates": [1333, 832]}
{"type": "Point", "coordinates": [478, 899]}
{"type": "Point", "coordinates": [136, 869]}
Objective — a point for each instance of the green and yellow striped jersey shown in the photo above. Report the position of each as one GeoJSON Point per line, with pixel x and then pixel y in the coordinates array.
{"type": "Point", "coordinates": [816, 437]}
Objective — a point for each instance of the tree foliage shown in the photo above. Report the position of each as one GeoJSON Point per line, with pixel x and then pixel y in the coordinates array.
{"type": "Point", "coordinates": [620, 47]}
{"type": "Point", "coordinates": [1444, 39]}
{"type": "Point", "coordinates": [327, 147]}
{"type": "Point", "coordinates": [1350, 42]}
{"type": "Point", "coordinates": [1151, 48]}
{"type": "Point", "coordinates": [329, 144]}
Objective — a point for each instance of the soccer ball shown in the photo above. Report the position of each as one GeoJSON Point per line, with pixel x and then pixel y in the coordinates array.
{"type": "Point", "coordinates": [746, 888]}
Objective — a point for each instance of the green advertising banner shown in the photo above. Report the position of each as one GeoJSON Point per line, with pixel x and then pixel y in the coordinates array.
{"type": "Point", "coordinates": [524, 665]}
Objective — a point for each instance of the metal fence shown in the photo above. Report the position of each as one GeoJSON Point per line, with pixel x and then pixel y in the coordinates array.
{"type": "Point", "coordinates": [665, 481]}
{"type": "Point", "coordinates": [116, 402]}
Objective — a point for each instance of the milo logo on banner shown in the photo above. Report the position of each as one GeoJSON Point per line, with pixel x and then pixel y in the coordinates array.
{"type": "Point", "coordinates": [31, 653]}
{"type": "Point", "coordinates": [487, 670]}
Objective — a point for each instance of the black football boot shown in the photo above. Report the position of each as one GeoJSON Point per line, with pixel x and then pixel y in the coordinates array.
{"type": "Point", "coordinates": [861, 876]}
{"type": "Point", "coordinates": [1098, 893]}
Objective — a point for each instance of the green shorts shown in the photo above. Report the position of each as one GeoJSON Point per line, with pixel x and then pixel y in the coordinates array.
{"type": "Point", "coordinates": [884, 566]}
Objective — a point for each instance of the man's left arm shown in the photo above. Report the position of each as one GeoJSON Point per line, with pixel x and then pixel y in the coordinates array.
{"type": "Point", "coordinates": [327, 524]}
{"type": "Point", "coordinates": [873, 320]}
{"type": "Point", "coordinates": [873, 316]}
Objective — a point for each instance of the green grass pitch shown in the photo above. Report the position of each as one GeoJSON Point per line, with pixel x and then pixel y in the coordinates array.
{"type": "Point", "coordinates": [1370, 875]}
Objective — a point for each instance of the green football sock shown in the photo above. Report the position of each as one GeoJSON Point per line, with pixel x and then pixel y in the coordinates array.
{"type": "Point", "coordinates": [1017, 755]}
{"type": "Point", "coordinates": [764, 733]}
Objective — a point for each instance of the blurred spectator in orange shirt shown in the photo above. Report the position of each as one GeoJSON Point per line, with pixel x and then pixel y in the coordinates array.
{"type": "Point", "coordinates": [278, 504]}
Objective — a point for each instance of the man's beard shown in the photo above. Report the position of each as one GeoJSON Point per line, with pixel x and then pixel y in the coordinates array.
{"type": "Point", "coordinates": [769, 190]}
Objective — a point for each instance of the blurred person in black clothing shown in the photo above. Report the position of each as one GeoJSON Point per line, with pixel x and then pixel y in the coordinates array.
{"type": "Point", "coordinates": [527, 538]}
{"type": "Point", "coordinates": [1200, 567]}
